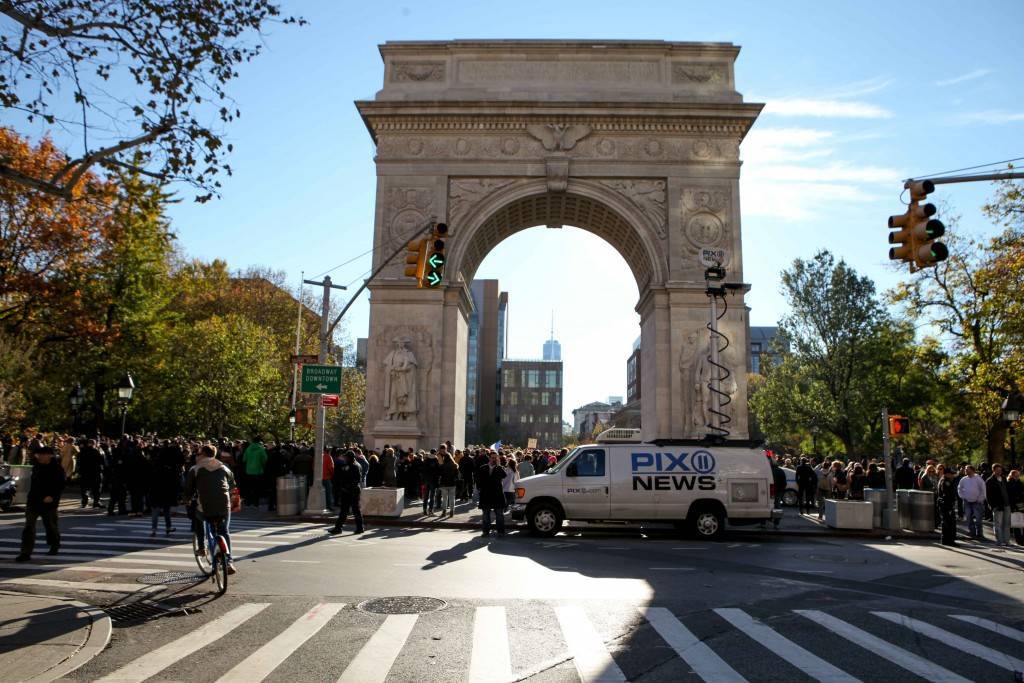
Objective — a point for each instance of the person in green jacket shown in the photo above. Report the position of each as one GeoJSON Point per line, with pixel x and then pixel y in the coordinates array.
{"type": "Point", "coordinates": [254, 461]}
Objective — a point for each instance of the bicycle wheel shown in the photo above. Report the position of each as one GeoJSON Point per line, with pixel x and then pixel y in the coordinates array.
{"type": "Point", "coordinates": [202, 556]}
{"type": "Point", "coordinates": [220, 569]}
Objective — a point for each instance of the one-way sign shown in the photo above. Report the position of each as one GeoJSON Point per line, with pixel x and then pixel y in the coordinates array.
{"type": "Point", "coordinates": [321, 379]}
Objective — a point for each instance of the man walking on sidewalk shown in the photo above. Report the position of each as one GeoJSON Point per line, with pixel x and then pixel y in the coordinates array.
{"type": "Point", "coordinates": [347, 478]}
{"type": "Point", "coordinates": [946, 501]}
{"type": "Point", "coordinates": [492, 498]}
{"type": "Point", "coordinates": [972, 492]}
{"type": "Point", "coordinates": [46, 485]}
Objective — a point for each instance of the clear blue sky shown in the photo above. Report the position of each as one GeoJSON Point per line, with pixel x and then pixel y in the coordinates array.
{"type": "Point", "coordinates": [859, 95]}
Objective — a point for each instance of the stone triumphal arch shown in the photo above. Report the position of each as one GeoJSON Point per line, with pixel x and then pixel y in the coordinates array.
{"type": "Point", "coordinates": [635, 141]}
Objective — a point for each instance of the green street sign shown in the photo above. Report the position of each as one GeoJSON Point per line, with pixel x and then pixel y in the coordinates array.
{"type": "Point", "coordinates": [321, 379]}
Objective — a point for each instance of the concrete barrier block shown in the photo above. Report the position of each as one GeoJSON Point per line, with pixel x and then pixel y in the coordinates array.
{"type": "Point", "coordinates": [382, 502]}
{"type": "Point", "coordinates": [848, 514]}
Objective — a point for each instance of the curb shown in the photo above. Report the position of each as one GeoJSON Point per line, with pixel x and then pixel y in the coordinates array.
{"type": "Point", "coordinates": [100, 630]}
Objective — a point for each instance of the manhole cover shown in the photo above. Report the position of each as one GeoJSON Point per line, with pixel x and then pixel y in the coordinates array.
{"type": "Point", "coordinates": [136, 613]}
{"type": "Point", "coordinates": [835, 558]}
{"type": "Point", "coordinates": [404, 604]}
{"type": "Point", "coordinates": [163, 578]}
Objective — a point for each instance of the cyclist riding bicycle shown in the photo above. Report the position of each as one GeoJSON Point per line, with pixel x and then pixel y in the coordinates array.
{"type": "Point", "coordinates": [208, 492]}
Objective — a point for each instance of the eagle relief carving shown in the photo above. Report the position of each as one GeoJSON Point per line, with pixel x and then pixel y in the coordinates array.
{"type": "Point", "coordinates": [558, 137]}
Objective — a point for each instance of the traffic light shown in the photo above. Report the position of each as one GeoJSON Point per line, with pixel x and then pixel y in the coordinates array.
{"type": "Point", "coordinates": [918, 231]}
{"type": "Point", "coordinates": [435, 261]}
{"type": "Point", "coordinates": [416, 260]}
{"type": "Point", "coordinates": [899, 426]}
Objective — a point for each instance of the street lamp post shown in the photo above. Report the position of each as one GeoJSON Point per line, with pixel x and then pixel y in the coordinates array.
{"type": "Point", "coordinates": [291, 424]}
{"type": "Point", "coordinates": [77, 400]}
{"type": "Point", "coordinates": [124, 396]}
{"type": "Point", "coordinates": [1012, 407]}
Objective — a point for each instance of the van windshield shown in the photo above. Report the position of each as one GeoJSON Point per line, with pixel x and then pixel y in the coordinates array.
{"type": "Point", "coordinates": [557, 467]}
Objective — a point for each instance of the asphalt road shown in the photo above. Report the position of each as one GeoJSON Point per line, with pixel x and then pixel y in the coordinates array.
{"type": "Point", "coordinates": [589, 606]}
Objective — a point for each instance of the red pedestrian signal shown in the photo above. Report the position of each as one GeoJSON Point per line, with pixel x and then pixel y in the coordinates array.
{"type": "Point", "coordinates": [899, 425]}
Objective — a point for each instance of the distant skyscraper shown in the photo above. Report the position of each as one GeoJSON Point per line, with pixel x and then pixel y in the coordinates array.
{"type": "Point", "coordinates": [488, 327]}
{"type": "Point", "coordinates": [552, 349]}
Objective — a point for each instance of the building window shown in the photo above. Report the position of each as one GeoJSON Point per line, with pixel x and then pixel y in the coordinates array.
{"type": "Point", "coordinates": [513, 398]}
{"type": "Point", "coordinates": [510, 378]}
{"type": "Point", "coordinates": [522, 418]}
{"type": "Point", "coordinates": [551, 378]}
{"type": "Point", "coordinates": [533, 398]}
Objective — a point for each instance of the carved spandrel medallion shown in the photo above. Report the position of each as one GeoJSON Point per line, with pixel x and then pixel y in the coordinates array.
{"type": "Point", "coordinates": [705, 220]}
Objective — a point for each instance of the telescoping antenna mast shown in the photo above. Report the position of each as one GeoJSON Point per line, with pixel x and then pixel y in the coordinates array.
{"type": "Point", "coordinates": [718, 342]}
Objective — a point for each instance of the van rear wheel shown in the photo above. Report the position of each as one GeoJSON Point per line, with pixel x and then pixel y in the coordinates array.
{"type": "Point", "coordinates": [706, 523]}
{"type": "Point", "coordinates": [544, 519]}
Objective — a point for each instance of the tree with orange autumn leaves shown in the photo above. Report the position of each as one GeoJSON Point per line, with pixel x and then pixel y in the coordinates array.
{"type": "Point", "coordinates": [93, 286]}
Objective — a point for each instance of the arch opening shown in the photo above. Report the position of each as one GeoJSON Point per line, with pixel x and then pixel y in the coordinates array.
{"type": "Point", "coordinates": [560, 209]}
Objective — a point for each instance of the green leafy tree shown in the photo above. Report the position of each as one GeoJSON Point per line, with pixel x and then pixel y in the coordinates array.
{"type": "Point", "coordinates": [221, 377]}
{"type": "Point", "coordinates": [975, 302]}
{"type": "Point", "coordinates": [346, 421]}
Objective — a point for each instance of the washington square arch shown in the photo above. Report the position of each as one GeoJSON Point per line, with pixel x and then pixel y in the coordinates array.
{"type": "Point", "coordinates": [635, 141]}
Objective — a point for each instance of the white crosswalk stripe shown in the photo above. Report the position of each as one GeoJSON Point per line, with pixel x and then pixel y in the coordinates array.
{"type": "Point", "coordinates": [490, 661]}
{"type": "Point", "coordinates": [794, 654]}
{"type": "Point", "coordinates": [702, 658]}
{"type": "Point", "coordinates": [593, 663]}
{"type": "Point", "coordinates": [378, 655]}
{"type": "Point", "coordinates": [1004, 631]}
{"type": "Point", "coordinates": [898, 656]}
{"type": "Point", "coordinates": [156, 661]}
{"type": "Point", "coordinates": [489, 629]}
{"type": "Point", "coordinates": [953, 640]}
{"type": "Point", "coordinates": [261, 663]}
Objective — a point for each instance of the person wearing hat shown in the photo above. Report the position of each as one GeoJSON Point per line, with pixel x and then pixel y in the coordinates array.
{"type": "Point", "coordinates": [45, 487]}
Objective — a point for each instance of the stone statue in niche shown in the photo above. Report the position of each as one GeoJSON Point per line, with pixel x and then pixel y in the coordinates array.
{"type": "Point", "coordinates": [400, 381]}
{"type": "Point", "coordinates": [698, 373]}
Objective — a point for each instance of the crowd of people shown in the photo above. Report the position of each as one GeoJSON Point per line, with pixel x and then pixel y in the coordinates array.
{"type": "Point", "coordinates": [962, 492]}
{"type": "Point", "coordinates": [142, 475]}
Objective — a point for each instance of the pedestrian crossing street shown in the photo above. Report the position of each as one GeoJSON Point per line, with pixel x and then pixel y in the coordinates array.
{"type": "Point", "coordinates": [586, 643]}
{"type": "Point", "coordinates": [111, 551]}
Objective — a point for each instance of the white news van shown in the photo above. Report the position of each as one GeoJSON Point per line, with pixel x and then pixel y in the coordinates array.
{"type": "Point", "coordinates": [685, 482]}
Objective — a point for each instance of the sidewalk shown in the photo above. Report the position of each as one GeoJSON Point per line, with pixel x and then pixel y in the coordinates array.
{"type": "Point", "coordinates": [43, 638]}
{"type": "Point", "coordinates": [467, 516]}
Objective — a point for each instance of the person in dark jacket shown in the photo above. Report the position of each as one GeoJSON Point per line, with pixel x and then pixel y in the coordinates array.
{"type": "Point", "coordinates": [946, 497]}
{"type": "Point", "coordinates": [467, 469]}
{"type": "Point", "coordinates": [347, 479]}
{"type": "Point", "coordinates": [779, 479]}
{"type": "Point", "coordinates": [46, 485]}
{"type": "Point", "coordinates": [164, 481]}
{"type": "Point", "coordinates": [430, 472]}
{"type": "Point", "coordinates": [807, 486]}
{"type": "Point", "coordinates": [998, 496]}
{"type": "Point", "coordinates": [117, 473]}
{"type": "Point", "coordinates": [876, 477]}
{"type": "Point", "coordinates": [448, 481]}
{"type": "Point", "coordinates": [389, 463]}
{"type": "Point", "coordinates": [90, 472]}
{"type": "Point", "coordinates": [1015, 488]}
{"type": "Point", "coordinates": [375, 473]}
{"type": "Point", "coordinates": [489, 479]}
{"type": "Point", "coordinates": [904, 477]}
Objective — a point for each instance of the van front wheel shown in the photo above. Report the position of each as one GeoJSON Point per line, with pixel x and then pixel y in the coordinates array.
{"type": "Point", "coordinates": [707, 524]}
{"type": "Point", "coordinates": [544, 519]}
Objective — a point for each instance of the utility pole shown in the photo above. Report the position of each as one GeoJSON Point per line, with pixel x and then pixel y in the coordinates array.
{"type": "Point", "coordinates": [315, 504]}
{"type": "Point", "coordinates": [295, 366]}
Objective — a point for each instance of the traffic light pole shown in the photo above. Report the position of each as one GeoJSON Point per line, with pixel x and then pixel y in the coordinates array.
{"type": "Point", "coordinates": [427, 226]}
{"type": "Point", "coordinates": [889, 516]}
{"type": "Point", "coordinates": [950, 180]}
{"type": "Point", "coordinates": [315, 503]}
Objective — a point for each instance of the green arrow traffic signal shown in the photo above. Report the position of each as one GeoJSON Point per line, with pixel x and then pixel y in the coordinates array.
{"type": "Point", "coordinates": [436, 261]}
{"type": "Point", "coordinates": [433, 278]}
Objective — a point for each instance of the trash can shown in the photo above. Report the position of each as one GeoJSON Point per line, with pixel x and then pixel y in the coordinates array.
{"type": "Point", "coordinates": [903, 507]}
{"type": "Point", "coordinates": [877, 499]}
{"type": "Point", "coordinates": [922, 511]}
{"type": "Point", "coordinates": [287, 496]}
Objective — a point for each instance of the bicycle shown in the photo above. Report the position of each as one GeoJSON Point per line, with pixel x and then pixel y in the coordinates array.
{"type": "Point", "coordinates": [213, 558]}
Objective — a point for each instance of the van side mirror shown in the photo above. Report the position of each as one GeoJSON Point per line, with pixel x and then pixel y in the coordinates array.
{"type": "Point", "coordinates": [570, 471]}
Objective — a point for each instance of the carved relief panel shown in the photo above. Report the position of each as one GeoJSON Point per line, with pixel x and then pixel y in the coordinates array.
{"type": "Point", "coordinates": [404, 209]}
{"type": "Point", "coordinates": [705, 223]}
